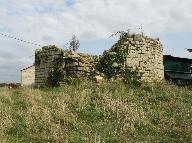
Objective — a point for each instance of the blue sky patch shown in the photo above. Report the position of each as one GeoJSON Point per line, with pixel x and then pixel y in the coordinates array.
{"type": "Point", "coordinates": [70, 2]}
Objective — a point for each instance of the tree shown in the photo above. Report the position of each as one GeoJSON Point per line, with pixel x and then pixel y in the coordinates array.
{"type": "Point", "coordinates": [74, 43]}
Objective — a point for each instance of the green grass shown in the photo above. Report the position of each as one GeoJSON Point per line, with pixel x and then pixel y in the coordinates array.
{"type": "Point", "coordinates": [97, 113]}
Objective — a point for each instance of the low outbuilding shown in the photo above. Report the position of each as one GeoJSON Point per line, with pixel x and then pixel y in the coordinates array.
{"type": "Point", "coordinates": [28, 76]}
{"type": "Point", "coordinates": [178, 70]}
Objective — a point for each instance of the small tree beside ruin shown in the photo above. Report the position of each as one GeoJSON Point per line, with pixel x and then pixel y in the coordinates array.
{"type": "Point", "coordinates": [74, 44]}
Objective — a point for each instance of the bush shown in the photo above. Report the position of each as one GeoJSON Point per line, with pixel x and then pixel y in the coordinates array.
{"type": "Point", "coordinates": [132, 78]}
{"type": "Point", "coordinates": [71, 81]}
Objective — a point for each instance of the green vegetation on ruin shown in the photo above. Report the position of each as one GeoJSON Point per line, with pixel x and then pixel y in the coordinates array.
{"type": "Point", "coordinates": [96, 113]}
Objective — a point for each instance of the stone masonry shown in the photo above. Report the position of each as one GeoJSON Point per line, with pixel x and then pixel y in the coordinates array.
{"type": "Point", "coordinates": [142, 53]}
{"type": "Point", "coordinates": [146, 54]}
{"type": "Point", "coordinates": [44, 62]}
{"type": "Point", "coordinates": [76, 65]}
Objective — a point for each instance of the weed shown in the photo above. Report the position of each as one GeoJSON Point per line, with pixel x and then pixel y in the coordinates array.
{"type": "Point", "coordinates": [97, 112]}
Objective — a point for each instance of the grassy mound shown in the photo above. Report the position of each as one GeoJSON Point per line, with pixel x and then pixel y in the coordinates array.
{"type": "Point", "coordinates": [96, 113]}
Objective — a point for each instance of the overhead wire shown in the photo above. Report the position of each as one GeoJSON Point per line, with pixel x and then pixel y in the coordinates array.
{"type": "Point", "coordinates": [19, 39]}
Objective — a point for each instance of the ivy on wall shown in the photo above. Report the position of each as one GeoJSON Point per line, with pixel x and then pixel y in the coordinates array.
{"type": "Point", "coordinates": [37, 57]}
{"type": "Point", "coordinates": [112, 63]}
{"type": "Point", "coordinates": [56, 74]}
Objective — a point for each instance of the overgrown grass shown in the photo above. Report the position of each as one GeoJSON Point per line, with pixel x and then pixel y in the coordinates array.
{"type": "Point", "coordinates": [96, 113]}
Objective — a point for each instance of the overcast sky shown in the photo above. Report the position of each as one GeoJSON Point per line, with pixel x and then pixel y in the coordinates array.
{"type": "Point", "coordinates": [93, 21]}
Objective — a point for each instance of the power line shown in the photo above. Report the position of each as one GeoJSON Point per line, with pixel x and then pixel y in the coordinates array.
{"type": "Point", "coordinates": [18, 39]}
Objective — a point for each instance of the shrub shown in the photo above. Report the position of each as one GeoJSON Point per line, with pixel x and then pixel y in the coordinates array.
{"type": "Point", "coordinates": [71, 81]}
{"type": "Point", "coordinates": [131, 77]}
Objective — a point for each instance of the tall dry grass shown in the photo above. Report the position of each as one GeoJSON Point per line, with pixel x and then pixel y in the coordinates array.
{"type": "Point", "coordinates": [96, 113]}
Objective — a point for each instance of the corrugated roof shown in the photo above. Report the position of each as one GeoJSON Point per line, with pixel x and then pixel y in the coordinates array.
{"type": "Point", "coordinates": [171, 58]}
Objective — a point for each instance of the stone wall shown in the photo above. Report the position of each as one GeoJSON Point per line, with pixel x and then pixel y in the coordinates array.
{"type": "Point", "coordinates": [145, 54]}
{"type": "Point", "coordinates": [72, 64]}
{"type": "Point", "coordinates": [141, 52]}
{"type": "Point", "coordinates": [79, 65]}
{"type": "Point", "coordinates": [28, 76]}
{"type": "Point", "coordinates": [45, 62]}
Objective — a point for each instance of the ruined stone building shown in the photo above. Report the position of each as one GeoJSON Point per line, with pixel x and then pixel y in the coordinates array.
{"type": "Point", "coordinates": [73, 64]}
{"type": "Point", "coordinates": [141, 52]}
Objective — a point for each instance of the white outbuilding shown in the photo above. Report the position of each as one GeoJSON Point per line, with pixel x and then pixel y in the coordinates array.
{"type": "Point", "coordinates": [28, 76]}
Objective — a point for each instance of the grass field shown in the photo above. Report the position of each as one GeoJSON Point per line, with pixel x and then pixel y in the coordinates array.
{"type": "Point", "coordinates": [97, 113]}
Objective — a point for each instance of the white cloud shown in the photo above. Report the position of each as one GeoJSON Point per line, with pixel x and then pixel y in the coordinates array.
{"type": "Point", "coordinates": [53, 18]}
{"type": "Point", "coordinates": [55, 21]}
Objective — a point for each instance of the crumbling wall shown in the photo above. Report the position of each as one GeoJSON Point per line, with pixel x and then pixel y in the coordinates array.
{"type": "Point", "coordinates": [142, 53]}
{"type": "Point", "coordinates": [79, 65]}
{"type": "Point", "coordinates": [76, 65]}
{"type": "Point", "coordinates": [147, 55]}
{"type": "Point", "coordinates": [45, 61]}
{"type": "Point", "coordinates": [137, 52]}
